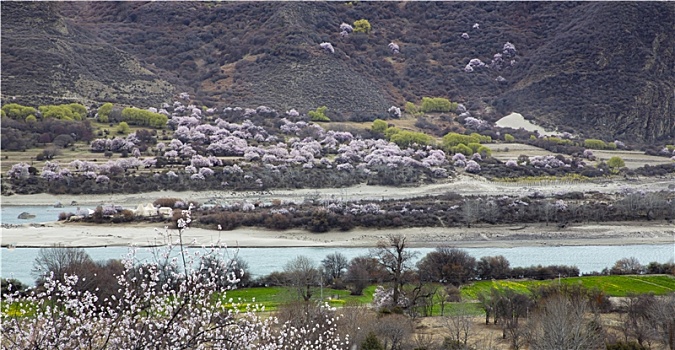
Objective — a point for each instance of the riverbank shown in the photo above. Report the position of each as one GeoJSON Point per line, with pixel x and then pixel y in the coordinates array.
{"type": "Point", "coordinates": [493, 236]}
{"type": "Point", "coordinates": [463, 184]}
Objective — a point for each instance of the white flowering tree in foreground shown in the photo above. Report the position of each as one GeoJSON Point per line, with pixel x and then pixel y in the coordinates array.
{"type": "Point", "coordinates": [177, 302]}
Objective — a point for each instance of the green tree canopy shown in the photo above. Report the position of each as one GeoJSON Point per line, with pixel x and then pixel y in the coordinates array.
{"type": "Point", "coordinates": [319, 114]}
{"type": "Point", "coordinates": [72, 111]}
{"type": "Point", "coordinates": [453, 139]}
{"type": "Point", "coordinates": [362, 26]}
{"type": "Point", "coordinates": [437, 104]}
{"type": "Point", "coordinates": [463, 149]}
{"type": "Point", "coordinates": [17, 111]}
{"type": "Point", "coordinates": [406, 138]}
{"type": "Point", "coordinates": [123, 128]}
{"type": "Point", "coordinates": [411, 108]}
{"type": "Point", "coordinates": [379, 125]}
{"type": "Point", "coordinates": [142, 117]}
{"type": "Point", "coordinates": [595, 144]}
{"type": "Point", "coordinates": [104, 111]}
{"type": "Point", "coordinates": [616, 163]}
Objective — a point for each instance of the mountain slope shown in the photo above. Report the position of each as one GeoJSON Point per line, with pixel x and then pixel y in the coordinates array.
{"type": "Point", "coordinates": [604, 69]}
{"type": "Point", "coordinates": [623, 81]}
{"type": "Point", "coordinates": [46, 59]}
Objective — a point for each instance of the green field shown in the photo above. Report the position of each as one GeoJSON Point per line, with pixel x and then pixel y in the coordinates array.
{"type": "Point", "coordinates": [615, 286]}
{"type": "Point", "coordinates": [270, 298]}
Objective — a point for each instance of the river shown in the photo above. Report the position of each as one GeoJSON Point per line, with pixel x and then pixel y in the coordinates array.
{"type": "Point", "coordinates": [9, 213]}
{"type": "Point", "coordinates": [17, 263]}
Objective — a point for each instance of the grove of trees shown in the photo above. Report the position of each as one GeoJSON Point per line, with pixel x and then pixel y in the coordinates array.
{"type": "Point", "coordinates": [180, 299]}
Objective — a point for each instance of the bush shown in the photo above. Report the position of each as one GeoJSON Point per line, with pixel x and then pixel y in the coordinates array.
{"type": "Point", "coordinates": [626, 346]}
{"type": "Point", "coordinates": [319, 114]}
{"type": "Point", "coordinates": [73, 111]}
{"type": "Point", "coordinates": [136, 116]}
{"type": "Point", "coordinates": [63, 216]}
{"type": "Point", "coordinates": [405, 138]}
{"type": "Point", "coordinates": [410, 108]}
{"type": "Point", "coordinates": [11, 285]}
{"type": "Point", "coordinates": [454, 139]}
{"type": "Point", "coordinates": [123, 128]}
{"type": "Point", "coordinates": [17, 111]}
{"type": "Point", "coordinates": [63, 141]}
{"type": "Point", "coordinates": [437, 104]}
{"type": "Point", "coordinates": [595, 144]}
{"type": "Point", "coordinates": [104, 112]}
{"type": "Point", "coordinates": [372, 343]}
{"type": "Point", "coordinates": [463, 149]}
{"type": "Point", "coordinates": [166, 202]}
{"type": "Point", "coordinates": [616, 163]}
{"type": "Point", "coordinates": [362, 26]}
{"type": "Point", "coordinates": [128, 215]}
{"type": "Point", "coordinates": [379, 125]}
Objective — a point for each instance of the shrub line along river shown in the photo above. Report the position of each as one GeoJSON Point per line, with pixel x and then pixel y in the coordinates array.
{"type": "Point", "coordinates": [17, 263]}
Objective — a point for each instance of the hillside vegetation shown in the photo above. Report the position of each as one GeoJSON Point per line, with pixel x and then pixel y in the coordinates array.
{"type": "Point", "coordinates": [601, 69]}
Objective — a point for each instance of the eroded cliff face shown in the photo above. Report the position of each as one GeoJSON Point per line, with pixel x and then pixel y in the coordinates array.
{"type": "Point", "coordinates": [610, 70]}
{"type": "Point", "coordinates": [602, 69]}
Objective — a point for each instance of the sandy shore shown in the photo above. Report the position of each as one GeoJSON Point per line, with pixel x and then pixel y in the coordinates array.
{"type": "Point", "coordinates": [83, 235]}
{"type": "Point", "coordinates": [517, 121]}
{"type": "Point", "coordinates": [89, 235]}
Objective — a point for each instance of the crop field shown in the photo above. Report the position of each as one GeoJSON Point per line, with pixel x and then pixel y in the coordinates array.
{"type": "Point", "coordinates": [615, 286]}
{"type": "Point", "coordinates": [272, 297]}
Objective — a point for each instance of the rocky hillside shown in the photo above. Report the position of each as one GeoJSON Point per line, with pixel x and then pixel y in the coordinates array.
{"type": "Point", "coordinates": [604, 69]}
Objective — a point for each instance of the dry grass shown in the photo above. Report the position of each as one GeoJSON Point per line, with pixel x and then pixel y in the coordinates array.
{"type": "Point", "coordinates": [633, 159]}
{"type": "Point", "coordinates": [482, 336]}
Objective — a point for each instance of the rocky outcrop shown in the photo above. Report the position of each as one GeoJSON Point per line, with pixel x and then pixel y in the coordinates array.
{"type": "Point", "coordinates": [25, 216]}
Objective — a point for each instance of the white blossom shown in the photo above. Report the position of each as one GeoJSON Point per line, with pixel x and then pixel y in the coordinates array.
{"type": "Point", "coordinates": [327, 46]}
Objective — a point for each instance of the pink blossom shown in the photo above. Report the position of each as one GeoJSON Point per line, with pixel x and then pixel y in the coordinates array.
{"type": "Point", "coordinates": [327, 47]}
{"type": "Point", "coordinates": [394, 111]}
{"type": "Point", "coordinates": [102, 179]}
{"type": "Point", "coordinates": [509, 49]}
{"type": "Point", "coordinates": [19, 171]}
{"type": "Point", "coordinates": [472, 167]}
{"type": "Point", "coordinates": [197, 177]}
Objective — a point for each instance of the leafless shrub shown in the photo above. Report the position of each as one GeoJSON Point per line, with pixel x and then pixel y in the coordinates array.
{"type": "Point", "coordinates": [563, 322]}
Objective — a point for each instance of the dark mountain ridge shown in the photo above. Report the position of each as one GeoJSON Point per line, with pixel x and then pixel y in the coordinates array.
{"type": "Point", "coordinates": [603, 69]}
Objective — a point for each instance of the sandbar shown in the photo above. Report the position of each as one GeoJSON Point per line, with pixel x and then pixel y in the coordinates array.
{"type": "Point", "coordinates": [498, 236]}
